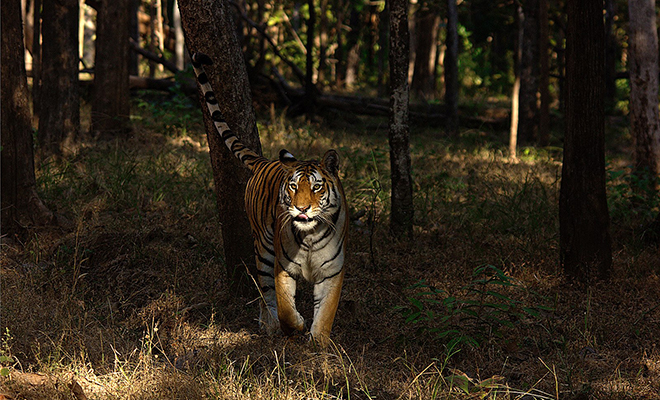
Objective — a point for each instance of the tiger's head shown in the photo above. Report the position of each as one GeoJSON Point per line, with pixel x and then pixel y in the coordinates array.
{"type": "Point", "coordinates": [310, 194]}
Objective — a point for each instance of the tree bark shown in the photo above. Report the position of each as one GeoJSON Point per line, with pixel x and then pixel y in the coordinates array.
{"type": "Point", "coordinates": [208, 29]}
{"type": "Point", "coordinates": [179, 42]}
{"type": "Point", "coordinates": [451, 69]}
{"type": "Point", "coordinates": [515, 95]}
{"type": "Point", "coordinates": [36, 58]}
{"type": "Point", "coordinates": [110, 99]}
{"type": "Point", "coordinates": [644, 124]}
{"type": "Point", "coordinates": [529, 74]}
{"type": "Point", "coordinates": [21, 204]}
{"type": "Point", "coordinates": [353, 46]}
{"type": "Point", "coordinates": [401, 219]}
{"type": "Point", "coordinates": [544, 77]}
{"type": "Point", "coordinates": [585, 244]}
{"type": "Point", "coordinates": [423, 80]}
{"type": "Point", "coordinates": [59, 119]}
{"type": "Point", "coordinates": [310, 89]}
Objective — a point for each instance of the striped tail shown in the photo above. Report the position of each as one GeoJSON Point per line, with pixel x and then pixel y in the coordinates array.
{"type": "Point", "coordinates": [248, 157]}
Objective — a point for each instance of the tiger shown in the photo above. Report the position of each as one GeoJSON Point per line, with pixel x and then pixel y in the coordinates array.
{"type": "Point", "coordinates": [298, 216]}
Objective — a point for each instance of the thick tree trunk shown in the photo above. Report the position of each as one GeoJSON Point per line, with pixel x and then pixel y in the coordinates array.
{"type": "Point", "coordinates": [451, 69]}
{"type": "Point", "coordinates": [401, 219]}
{"type": "Point", "coordinates": [59, 119]}
{"type": "Point", "coordinates": [644, 124]}
{"type": "Point", "coordinates": [423, 80]}
{"type": "Point", "coordinates": [208, 29]}
{"type": "Point", "coordinates": [585, 244]}
{"type": "Point", "coordinates": [20, 203]}
{"type": "Point", "coordinates": [529, 74]}
{"type": "Point", "coordinates": [110, 100]}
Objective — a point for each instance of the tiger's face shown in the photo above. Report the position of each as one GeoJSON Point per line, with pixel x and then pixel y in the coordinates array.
{"type": "Point", "coordinates": [309, 194]}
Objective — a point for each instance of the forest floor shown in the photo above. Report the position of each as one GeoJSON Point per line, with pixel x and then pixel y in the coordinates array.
{"type": "Point", "coordinates": [128, 298]}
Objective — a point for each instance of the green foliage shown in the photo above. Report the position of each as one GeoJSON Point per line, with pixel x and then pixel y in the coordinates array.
{"type": "Point", "coordinates": [482, 312]}
{"type": "Point", "coordinates": [631, 196]}
{"type": "Point", "coordinates": [175, 112]}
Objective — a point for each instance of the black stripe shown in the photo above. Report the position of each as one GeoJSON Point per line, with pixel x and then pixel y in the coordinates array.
{"type": "Point", "coordinates": [210, 97]}
{"type": "Point", "coordinates": [330, 276]}
{"type": "Point", "coordinates": [264, 273]}
{"type": "Point", "coordinates": [217, 116]}
{"type": "Point", "coordinates": [228, 134]}
{"type": "Point", "coordinates": [339, 249]}
{"type": "Point", "coordinates": [264, 261]}
{"type": "Point", "coordinates": [202, 78]}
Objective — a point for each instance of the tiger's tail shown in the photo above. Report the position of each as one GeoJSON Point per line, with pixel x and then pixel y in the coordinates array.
{"type": "Point", "coordinates": [247, 156]}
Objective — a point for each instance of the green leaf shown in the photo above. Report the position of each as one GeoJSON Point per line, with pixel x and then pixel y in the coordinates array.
{"type": "Point", "coordinates": [460, 382]}
{"type": "Point", "coordinates": [4, 371]}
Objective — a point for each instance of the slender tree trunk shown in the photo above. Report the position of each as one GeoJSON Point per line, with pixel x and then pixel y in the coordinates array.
{"type": "Point", "coordinates": [643, 56]}
{"type": "Point", "coordinates": [544, 78]}
{"type": "Point", "coordinates": [515, 95]}
{"type": "Point", "coordinates": [610, 54]}
{"type": "Point", "coordinates": [111, 95]}
{"type": "Point", "coordinates": [59, 121]}
{"type": "Point", "coordinates": [585, 244]}
{"type": "Point", "coordinates": [310, 89]}
{"type": "Point", "coordinates": [340, 65]}
{"type": "Point", "coordinates": [401, 220]}
{"type": "Point", "coordinates": [208, 29]}
{"type": "Point", "coordinates": [353, 46]}
{"type": "Point", "coordinates": [323, 44]}
{"type": "Point", "coordinates": [529, 74]}
{"type": "Point", "coordinates": [36, 59]}
{"type": "Point", "coordinates": [450, 63]}
{"type": "Point", "coordinates": [423, 80]}
{"type": "Point", "coordinates": [383, 41]}
{"type": "Point", "coordinates": [134, 57]}
{"type": "Point", "coordinates": [21, 204]}
{"type": "Point", "coordinates": [179, 41]}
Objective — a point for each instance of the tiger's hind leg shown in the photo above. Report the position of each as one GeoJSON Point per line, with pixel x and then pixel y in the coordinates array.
{"type": "Point", "coordinates": [268, 306]}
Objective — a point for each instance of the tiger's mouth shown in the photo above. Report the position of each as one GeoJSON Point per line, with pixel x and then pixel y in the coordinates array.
{"type": "Point", "coordinates": [304, 218]}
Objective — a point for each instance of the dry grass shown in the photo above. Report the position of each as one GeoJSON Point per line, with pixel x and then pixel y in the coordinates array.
{"type": "Point", "coordinates": [130, 300]}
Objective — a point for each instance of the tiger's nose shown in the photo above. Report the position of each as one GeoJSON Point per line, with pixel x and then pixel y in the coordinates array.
{"type": "Point", "coordinates": [303, 209]}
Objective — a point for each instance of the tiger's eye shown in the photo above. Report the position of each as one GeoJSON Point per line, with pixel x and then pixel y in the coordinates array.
{"type": "Point", "coordinates": [293, 186]}
{"type": "Point", "coordinates": [316, 187]}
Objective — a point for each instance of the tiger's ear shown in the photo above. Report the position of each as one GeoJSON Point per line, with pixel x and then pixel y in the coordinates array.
{"type": "Point", "coordinates": [331, 162]}
{"type": "Point", "coordinates": [287, 158]}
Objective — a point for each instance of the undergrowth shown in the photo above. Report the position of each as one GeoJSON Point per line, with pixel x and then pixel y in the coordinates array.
{"type": "Point", "coordinates": [129, 299]}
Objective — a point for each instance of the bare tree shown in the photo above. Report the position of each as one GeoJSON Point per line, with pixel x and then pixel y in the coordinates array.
{"type": "Point", "coordinates": [20, 202]}
{"type": "Point", "coordinates": [401, 219]}
{"type": "Point", "coordinates": [585, 244]}
{"type": "Point", "coordinates": [59, 113]}
{"type": "Point", "coordinates": [644, 124]}
{"type": "Point", "coordinates": [208, 28]}
{"type": "Point", "coordinates": [111, 95]}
